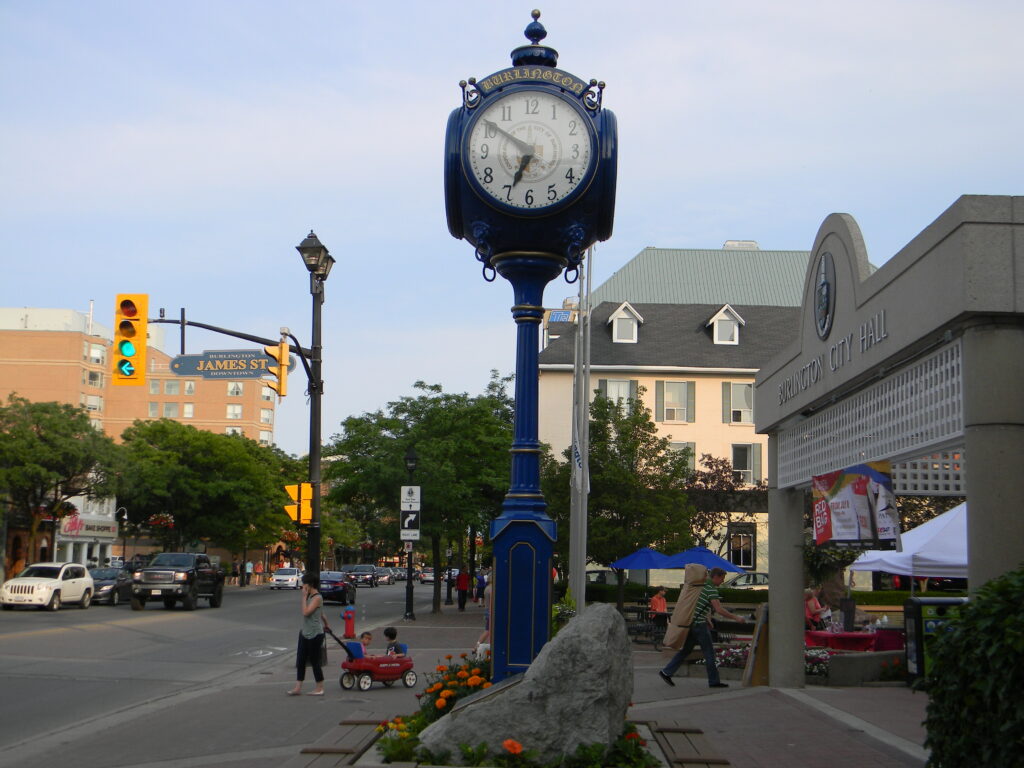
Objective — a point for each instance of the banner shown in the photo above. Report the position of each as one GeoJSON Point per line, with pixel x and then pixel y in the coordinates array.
{"type": "Point", "coordinates": [855, 508]}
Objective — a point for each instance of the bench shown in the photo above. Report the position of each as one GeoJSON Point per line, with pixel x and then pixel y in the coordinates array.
{"type": "Point", "coordinates": [684, 746]}
{"type": "Point", "coordinates": [342, 745]}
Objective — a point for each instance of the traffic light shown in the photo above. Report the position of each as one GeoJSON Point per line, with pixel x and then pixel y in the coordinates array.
{"type": "Point", "coordinates": [129, 351]}
{"type": "Point", "coordinates": [302, 511]}
{"type": "Point", "coordinates": [280, 354]}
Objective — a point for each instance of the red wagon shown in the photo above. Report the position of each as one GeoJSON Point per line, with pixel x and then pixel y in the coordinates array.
{"type": "Point", "coordinates": [364, 671]}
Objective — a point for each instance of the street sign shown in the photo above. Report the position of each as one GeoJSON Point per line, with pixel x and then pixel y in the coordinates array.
{"type": "Point", "coordinates": [410, 497]}
{"type": "Point", "coordinates": [408, 546]}
{"type": "Point", "coordinates": [226, 364]}
{"type": "Point", "coordinates": [410, 535]}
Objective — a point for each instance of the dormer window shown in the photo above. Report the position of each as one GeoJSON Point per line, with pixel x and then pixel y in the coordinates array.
{"type": "Point", "coordinates": [725, 326]}
{"type": "Point", "coordinates": [625, 322]}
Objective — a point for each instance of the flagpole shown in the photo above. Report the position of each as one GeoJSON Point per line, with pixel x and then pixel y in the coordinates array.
{"type": "Point", "coordinates": [580, 485]}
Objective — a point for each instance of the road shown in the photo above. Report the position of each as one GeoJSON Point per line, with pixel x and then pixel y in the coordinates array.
{"type": "Point", "coordinates": [165, 688]}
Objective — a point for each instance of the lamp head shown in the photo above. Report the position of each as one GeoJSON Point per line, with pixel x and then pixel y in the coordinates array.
{"type": "Point", "coordinates": [315, 256]}
{"type": "Point", "coordinates": [410, 459]}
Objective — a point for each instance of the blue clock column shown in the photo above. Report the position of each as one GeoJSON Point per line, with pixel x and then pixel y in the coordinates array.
{"type": "Point", "coordinates": [523, 535]}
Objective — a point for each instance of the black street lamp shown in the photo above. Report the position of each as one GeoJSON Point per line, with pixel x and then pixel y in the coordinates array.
{"type": "Point", "coordinates": [319, 262]}
{"type": "Point", "coordinates": [410, 467]}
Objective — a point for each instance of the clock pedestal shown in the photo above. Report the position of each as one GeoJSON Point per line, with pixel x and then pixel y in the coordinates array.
{"type": "Point", "coordinates": [523, 535]}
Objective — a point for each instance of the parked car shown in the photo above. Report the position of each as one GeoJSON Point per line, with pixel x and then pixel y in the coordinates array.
{"type": "Point", "coordinates": [111, 585]}
{"type": "Point", "coordinates": [754, 580]}
{"type": "Point", "coordinates": [178, 577]}
{"type": "Point", "coordinates": [427, 576]}
{"type": "Point", "coordinates": [48, 586]}
{"type": "Point", "coordinates": [363, 575]}
{"type": "Point", "coordinates": [385, 576]}
{"type": "Point", "coordinates": [335, 587]}
{"type": "Point", "coordinates": [286, 578]}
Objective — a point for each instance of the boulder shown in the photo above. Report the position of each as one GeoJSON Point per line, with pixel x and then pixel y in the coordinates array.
{"type": "Point", "coordinates": [577, 691]}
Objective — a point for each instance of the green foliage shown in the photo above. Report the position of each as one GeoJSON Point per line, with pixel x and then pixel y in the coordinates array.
{"type": "Point", "coordinates": [49, 454]}
{"type": "Point", "coordinates": [461, 444]}
{"type": "Point", "coordinates": [636, 481]}
{"type": "Point", "coordinates": [221, 487]}
{"type": "Point", "coordinates": [975, 713]}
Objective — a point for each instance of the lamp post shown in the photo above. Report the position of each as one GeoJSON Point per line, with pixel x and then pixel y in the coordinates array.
{"type": "Point", "coordinates": [448, 577]}
{"type": "Point", "coordinates": [410, 467]}
{"type": "Point", "coordinates": [319, 262]}
{"type": "Point", "coordinates": [122, 514]}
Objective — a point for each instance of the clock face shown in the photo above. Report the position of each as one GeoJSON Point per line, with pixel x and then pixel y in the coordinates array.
{"type": "Point", "coordinates": [530, 150]}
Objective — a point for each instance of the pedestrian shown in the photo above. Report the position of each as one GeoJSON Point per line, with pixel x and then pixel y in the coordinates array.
{"type": "Point", "coordinates": [366, 638]}
{"type": "Point", "coordinates": [234, 572]}
{"type": "Point", "coordinates": [698, 623]}
{"type": "Point", "coordinates": [394, 648]}
{"type": "Point", "coordinates": [481, 584]}
{"type": "Point", "coordinates": [311, 636]}
{"type": "Point", "coordinates": [462, 585]}
{"type": "Point", "coordinates": [483, 643]}
{"type": "Point", "coordinates": [248, 572]}
{"type": "Point", "coordinates": [815, 613]}
{"type": "Point", "coordinates": [258, 570]}
{"type": "Point", "coordinates": [659, 609]}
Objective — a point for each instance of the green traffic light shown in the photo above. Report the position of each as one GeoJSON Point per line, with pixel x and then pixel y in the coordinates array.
{"type": "Point", "coordinates": [125, 367]}
{"type": "Point", "coordinates": [126, 348]}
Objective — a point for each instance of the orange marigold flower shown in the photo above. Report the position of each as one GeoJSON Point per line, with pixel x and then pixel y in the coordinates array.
{"type": "Point", "coordinates": [512, 746]}
{"type": "Point", "coordinates": [487, 685]}
{"type": "Point", "coordinates": [441, 668]}
{"type": "Point", "coordinates": [474, 681]}
{"type": "Point", "coordinates": [476, 671]}
{"type": "Point", "coordinates": [463, 655]}
{"type": "Point", "coordinates": [447, 694]}
{"type": "Point", "coordinates": [463, 674]}
{"type": "Point", "coordinates": [441, 703]}
{"type": "Point", "coordinates": [449, 657]}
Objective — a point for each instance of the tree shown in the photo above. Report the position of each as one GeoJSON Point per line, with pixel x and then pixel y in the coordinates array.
{"type": "Point", "coordinates": [201, 485]}
{"type": "Point", "coordinates": [718, 497]}
{"type": "Point", "coordinates": [636, 486]}
{"type": "Point", "coordinates": [461, 444]}
{"type": "Point", "coordinates": [49, 455]}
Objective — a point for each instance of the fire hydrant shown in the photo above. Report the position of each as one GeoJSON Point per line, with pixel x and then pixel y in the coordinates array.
{"type": "Point", "coordinates": [349, 616]}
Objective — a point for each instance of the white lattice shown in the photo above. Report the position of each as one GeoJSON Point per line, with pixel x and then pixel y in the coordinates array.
{"type": "Point", "coordinates": [914, 412]}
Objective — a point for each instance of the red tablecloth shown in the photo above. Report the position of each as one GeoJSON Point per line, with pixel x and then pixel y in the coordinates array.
{"type": "Point", "coordinates": [845, 641]}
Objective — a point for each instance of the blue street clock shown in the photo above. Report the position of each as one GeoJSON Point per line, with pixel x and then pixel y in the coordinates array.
{"type": "Point", "coordinates": [530, 160]}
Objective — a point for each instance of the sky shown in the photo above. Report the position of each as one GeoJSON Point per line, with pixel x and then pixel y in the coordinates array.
{"type": "Point", "coordinates": [184, 149]}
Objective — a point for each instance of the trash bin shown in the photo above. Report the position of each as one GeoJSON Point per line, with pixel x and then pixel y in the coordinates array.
{"type": "Point", "coordinates": [924, 618]}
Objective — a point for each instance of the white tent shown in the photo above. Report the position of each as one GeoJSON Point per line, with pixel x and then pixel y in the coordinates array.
{"type": "Point", "coordinates": [934, 549]}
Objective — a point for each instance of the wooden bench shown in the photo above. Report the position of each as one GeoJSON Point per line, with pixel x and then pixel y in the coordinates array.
{"type": "Point", "coordinates": [684, 746]}
{"type": "Point", "coordinates": [342, 745]}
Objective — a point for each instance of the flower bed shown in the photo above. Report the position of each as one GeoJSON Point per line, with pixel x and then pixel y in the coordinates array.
{"type": "Point", "coordinates": [455, 680]}
{"type": "Point", "coordinates": [816, 660]}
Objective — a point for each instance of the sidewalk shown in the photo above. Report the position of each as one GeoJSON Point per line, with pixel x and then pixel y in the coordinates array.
{"type": "Point", "coordinates": [751, 727]}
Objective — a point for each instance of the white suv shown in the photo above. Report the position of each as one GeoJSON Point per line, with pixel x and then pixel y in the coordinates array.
{"type": "Point", "coordinates": [47, 585]}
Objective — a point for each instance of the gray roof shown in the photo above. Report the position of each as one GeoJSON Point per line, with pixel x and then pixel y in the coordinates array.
{"type": "Point", "coordinates": [702, 276]}
{"type": "Point", "coordinates": [676, 335]}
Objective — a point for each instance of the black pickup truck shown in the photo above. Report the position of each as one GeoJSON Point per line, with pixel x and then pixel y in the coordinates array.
{"type": "Point", "coordinates": [178, 576]}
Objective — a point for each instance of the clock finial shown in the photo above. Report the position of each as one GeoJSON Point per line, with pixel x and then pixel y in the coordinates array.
{"type": "Point", "coordinates": [535, 54]}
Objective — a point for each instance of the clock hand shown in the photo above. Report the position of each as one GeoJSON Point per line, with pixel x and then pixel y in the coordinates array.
{"type": "Point", "coordinates": [521, 145]}
{"type": "Point", "coordinates": [525, 161]}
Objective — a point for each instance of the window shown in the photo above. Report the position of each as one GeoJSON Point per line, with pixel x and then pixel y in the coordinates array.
{"type": "Point", "coordinates": [618, 390]}
{"type": "Point", "coordinates": [727, 331]}
{"type": "Point", "coordinates": [170, 410]}
{"type": "Point", "coordinates": [234, 412]}
{"type": "Point", "coordinates": [154, 410]}
{"type": "Point", "coordinates": [233, 431]}
{"type": "Point", "coordinates": [172, 387]}
{"type": "Point", "coordinates": [266, 416]}
{"type": "Point", "coordinates": [266, 437]}
{"type": "Point", "coordinates": [95, 379]}
{"type": "Point", "coordinates": [746, 463]}
{"type": "Point", "coordinates": [190, 388]}
{"type": "Point", "coordinates": [96, 424]}
{"type": "Point", "coordinates": [268, 394]}
{"type": "Point", "coordinates": [188, 410]}
{"type": "Point", "coordinates": [624, 330]}
{"type": "Point", "coordinates": [741, 544]}
{"type": "Point", "coordinates": [234, 389]}
{"type": "Point", "coordinates": [154, 387]}
{"type": "Point", "coordinates": [691, 457]}
{"type": "Point", "coordinates": [97, 354]}
{"type": "Point", "coordinates": [737, 403]}
{"type": "Point", "coordinates": [85, 350]}
{"type": "Point", "coordinates": [93, 403]}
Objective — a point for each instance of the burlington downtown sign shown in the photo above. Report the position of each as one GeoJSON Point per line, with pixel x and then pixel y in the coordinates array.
{"type": "Point", "coordinates": [226, 364]}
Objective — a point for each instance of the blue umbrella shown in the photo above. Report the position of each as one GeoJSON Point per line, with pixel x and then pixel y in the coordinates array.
{"type": "Point", "coordinates": [643, 559]}
{"type": "Point", "coordinates": [701, 556]}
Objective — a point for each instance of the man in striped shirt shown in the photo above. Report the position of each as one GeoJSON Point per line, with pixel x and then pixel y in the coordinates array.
{"type": "Point", "coordinates": [708, 602]}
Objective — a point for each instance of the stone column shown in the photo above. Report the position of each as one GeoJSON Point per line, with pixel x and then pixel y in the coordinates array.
{"type": "Point", "coordinates": [785, 605]}
{"type": "Point", "coordinates": [993, 369]}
